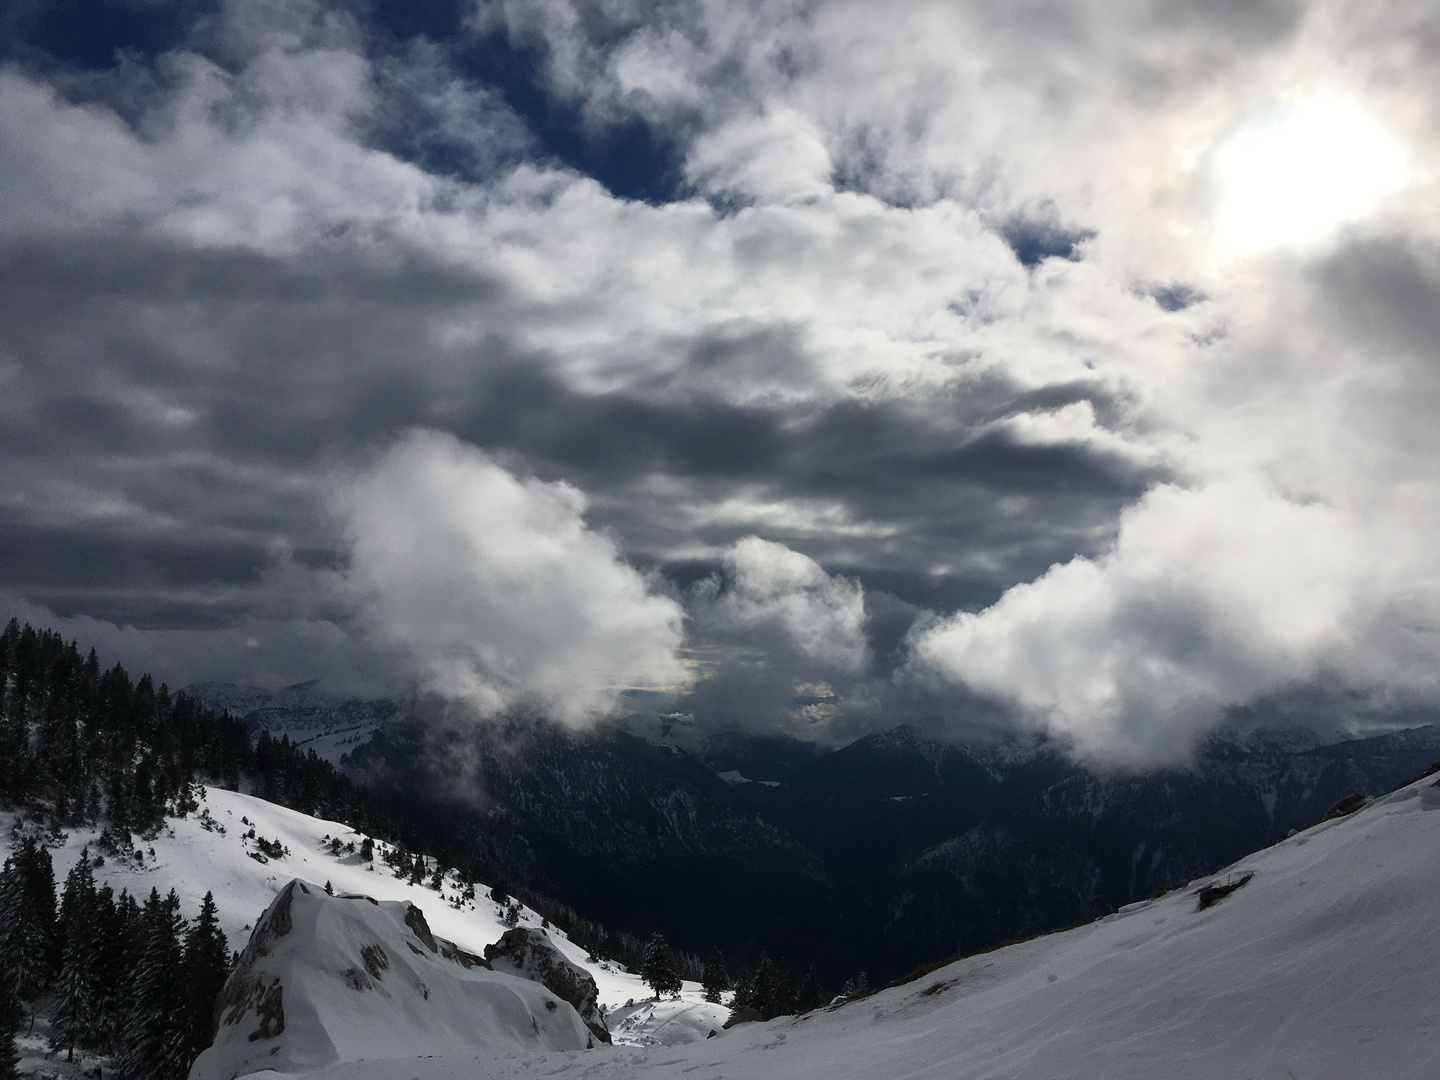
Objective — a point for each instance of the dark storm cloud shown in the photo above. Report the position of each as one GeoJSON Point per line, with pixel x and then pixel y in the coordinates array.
{"type": "Point", "coordinates": [897, 355]}
{"type": "Point", "coordinates": [997, 461]}
{"type": "Point", "coordinates": [281, 359]}
{"type": "Point", "coordinates": [1387, 288]}
{"type": "Point", "coordinates": [610, 438]}
{"type": "Point", "coordinates": [72, 560]}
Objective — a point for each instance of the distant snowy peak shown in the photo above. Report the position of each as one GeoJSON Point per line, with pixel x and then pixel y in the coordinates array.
{"type": "Point", "coordinates": [327, 979]}
{"type": "Point", "coordinates": [310, 718]}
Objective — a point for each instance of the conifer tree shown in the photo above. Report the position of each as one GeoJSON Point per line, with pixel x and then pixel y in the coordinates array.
{"type": "Point", "coordinates": [10, 1017]}
{"type": "Point", "coordinates": [37, 879]}
{"type": "Point", "coordinates": [765, 986]}
{"type": "Point", "coordinates": [153, 1045]}
{"type": "Point", "coordinates": [785, 999]}
{"type": "Point", "coordinates": [116, 923]}
{"type": "Point", "coordinates": [206, 966]}
{"type": "Point", "coordinates": [25, 939]}
{"type": "Point", "coordinates": [658, 969]}
{"type": "Point", "coordinates": [73, 1016]}
{"type": "Point", "coordinates": [811, 995]}
{"type": "Point", "coordinates": [716, 979]}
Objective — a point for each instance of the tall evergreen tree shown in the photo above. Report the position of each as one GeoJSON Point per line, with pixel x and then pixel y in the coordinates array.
{"type": "Point", "coordinates": [659, 970]}
{"type": "Point", "coordinates": [207, 963]}
{"type": "Point", "coordinates": [153, 1045]}
{"type": "Point", "coordinates": [716, 979]}
{"type": "Point", "coordinates": [25, 927]}
{"type": "Point", "coordinates": [120, 947]}
{"type": "Point", "coordinates": [10, 1018]}
{"type": "Point", "coordinates": [812, 996]}
{"type": "Point", "coordinates": [73, 1016]}
{"type": "Point", "coordinates": [765, 979]}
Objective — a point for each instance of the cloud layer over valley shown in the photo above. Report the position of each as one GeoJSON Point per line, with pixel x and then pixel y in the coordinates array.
{"type": "Point", "coordinates": [818, 365]}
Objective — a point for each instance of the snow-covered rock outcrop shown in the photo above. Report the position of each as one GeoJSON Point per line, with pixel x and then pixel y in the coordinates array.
{"type": "Point", "coordinates": [327, 979]}
{"type": "Point", "coordinates": [529, 953]}
{"type": "Point", "coordinates": [1320, 965]}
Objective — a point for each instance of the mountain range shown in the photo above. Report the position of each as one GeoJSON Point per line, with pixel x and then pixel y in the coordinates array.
{"type": "Point", "coordinates": [875, 857]}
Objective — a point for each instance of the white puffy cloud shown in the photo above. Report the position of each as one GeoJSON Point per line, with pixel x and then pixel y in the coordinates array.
{"type": "Point", "coordinates": [494, 587]}
{"type": "Point", "coordinates": [1211, 597]}
{"type": "Point", "coordinates": [822, 615]}
{"type": "Point", "coordinates": [220, 277]}
{"type": "Point", "coordinates": [778, 158]}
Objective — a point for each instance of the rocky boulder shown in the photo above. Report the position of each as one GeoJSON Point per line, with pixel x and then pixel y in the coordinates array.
{"type": "Point", "coordinates": [530, 953]}
{"type": "Point", "coordinates": [326, 980]}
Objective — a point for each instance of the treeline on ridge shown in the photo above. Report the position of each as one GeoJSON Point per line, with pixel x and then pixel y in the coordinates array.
{"type": "Point", "coordinates": [81, 744]}
{"type": "Point", "coordinates": [135, 982]}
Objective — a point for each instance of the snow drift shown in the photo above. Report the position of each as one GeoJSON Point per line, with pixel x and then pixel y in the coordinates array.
{"type": "Point", "coordinates": [529, 953]}
{"type": "Point", "coordinates": [1320, 965]}
{"type": "Point", "coordinates": [326, 979]}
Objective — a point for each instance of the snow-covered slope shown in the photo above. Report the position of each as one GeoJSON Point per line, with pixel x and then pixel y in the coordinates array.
{"type": "Point", "coordinates": [331, 727]}
{"type": "Point", "coordinates": [336, 978]}
{"type": "Point", "coordinates": [1323, 965]}
{"type": "Point", "coordinates": [212, 850]}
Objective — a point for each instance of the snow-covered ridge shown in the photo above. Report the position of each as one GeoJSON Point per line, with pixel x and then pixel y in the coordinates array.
{"type": "Point", "coordinates": [1321, 965]}
{"type": "Point", "coordinates": [327, 979]}
{"type": "Point", "coordinates": [213, 850]}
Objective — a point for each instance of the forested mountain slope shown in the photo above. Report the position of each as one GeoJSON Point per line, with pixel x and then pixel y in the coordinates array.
{"type": "Point", "coordinates": [884, 854]}
{"type": "Point", "coordinates": [1312, 958]}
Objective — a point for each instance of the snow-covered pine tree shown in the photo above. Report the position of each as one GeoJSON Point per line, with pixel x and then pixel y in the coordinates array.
{"type": "Point", "coordinates": [73, 1014]}
{"type": "Point", "coordinates": [716, 979]}
{"type": "Point", "coordinates": [26, 924]}
{"type": "Point", "coordinates": [10, 1017]}
{"type": "Point", "coordinates": [153, 1044]}
{"type": "Point", "coordinates": [207, 964]}
{"type": "Point", "coordinates": [659, 970]}
{"type": "Point", "coordinates": [122, 942]}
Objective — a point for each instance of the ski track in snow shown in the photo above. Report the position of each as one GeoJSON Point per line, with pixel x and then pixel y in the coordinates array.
{"type": "Point", "coordinates": [1323, 966]}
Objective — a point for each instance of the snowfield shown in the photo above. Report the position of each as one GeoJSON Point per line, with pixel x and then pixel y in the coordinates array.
{"type": "Point", "coordinates": [211, 850]}
{"type": "Point", "coordinates": [328, 979]}
{"type": "Point", "coordinates": [1322, 965]}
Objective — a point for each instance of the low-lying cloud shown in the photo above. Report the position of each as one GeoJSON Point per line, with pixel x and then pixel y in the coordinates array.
{"type": "Point", "coordinates": [1211, 598]}
{"type": "Point", "coordinates": [822, 615]}
{"type": "Point", "coordinates": [495, 589]}
{"type": "Point", "coordinates": [955, 331]}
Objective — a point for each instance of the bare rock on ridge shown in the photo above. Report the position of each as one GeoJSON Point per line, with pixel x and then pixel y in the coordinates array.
{"type": "Point", "coordinates": [330, 979]}
{"type": "Point", "coordinates": [530, 953]}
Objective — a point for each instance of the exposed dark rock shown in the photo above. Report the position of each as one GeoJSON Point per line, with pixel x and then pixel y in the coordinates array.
{"type": "Point", "coordinates": [1348, 805]}
{"type": "Point", "coordinates": [376, 962]}
{"type": "Point", "coordinates": [270, 1011]}
{"type": "Point", "coordinates": [529, 952]}
{"type": "Point", "coordinates": [244, 989]}
{"type": "Point", "coordinates": [748, 1015]}
{"type": "Point", "coordinates": [415, 919]}
{"type": "Point", "coordinates": [1213, 894]}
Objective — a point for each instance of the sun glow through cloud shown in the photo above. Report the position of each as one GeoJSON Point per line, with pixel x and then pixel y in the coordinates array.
{"type": "Point", "coordinates": [1323, 163]}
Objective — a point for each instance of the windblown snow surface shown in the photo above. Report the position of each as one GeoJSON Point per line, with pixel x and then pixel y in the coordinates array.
{"type": "Point", "coordinates": [211, 850]}
{"type": "Point", "coordinates": [1323, 965]}
{"type": "Point", "coordinates": [343, 978]}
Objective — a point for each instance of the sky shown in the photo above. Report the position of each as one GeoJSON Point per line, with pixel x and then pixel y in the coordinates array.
{"type": "Point", "coordinates": [799, 367]}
